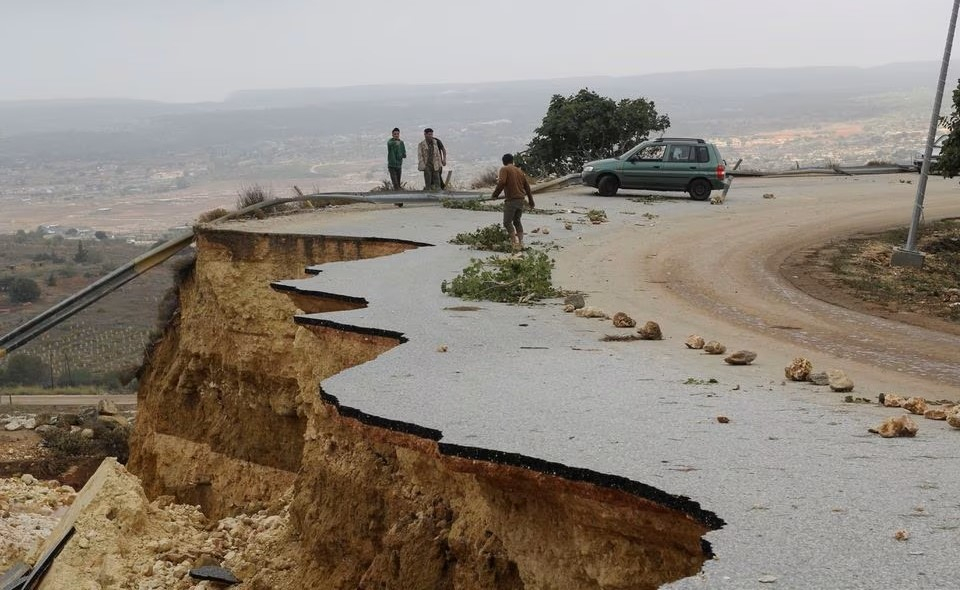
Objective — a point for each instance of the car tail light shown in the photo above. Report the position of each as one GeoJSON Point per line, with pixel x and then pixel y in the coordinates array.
{"type": "Point", "coordinates": [721, 172]}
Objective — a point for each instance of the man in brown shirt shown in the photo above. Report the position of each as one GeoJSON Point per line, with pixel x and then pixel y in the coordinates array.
{"type": "Point", "coordinates": [512, 182]}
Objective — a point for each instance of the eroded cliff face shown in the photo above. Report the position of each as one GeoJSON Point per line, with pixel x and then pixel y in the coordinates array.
{"type": "Point", "coordinates": [232, 417]}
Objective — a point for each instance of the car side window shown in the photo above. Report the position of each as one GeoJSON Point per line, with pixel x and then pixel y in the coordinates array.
{"type": "Point", "coordinates": [703, 154]}
{"type": "Point", "coordinates": [651, 153]}
{"type": "Point", "coordinates": [679, 153]}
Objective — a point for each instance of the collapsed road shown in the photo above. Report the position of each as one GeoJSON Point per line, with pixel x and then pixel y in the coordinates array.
{"type": "Point", "coordinates": [411, 427]}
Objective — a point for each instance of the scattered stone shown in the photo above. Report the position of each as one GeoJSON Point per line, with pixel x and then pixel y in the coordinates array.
{"type": "Point", "coordinates": [741, 357]}
{"type": "Point", "coordinates": [839, 381]}
{"type": "Point", "coordinates": [915, 405]}
{"type": "Point", "coordinates": [214, 574]}
{"type": "Point", "coordinates": [28, 479]}
{"type": "Point", "coordinates": [820, 378]}
{"type": "Point", "coordinates": [769, 196]}
{"type": "Point", "coordinates": [591, 312]}
{"type": "Point", "coordinates": [799, 369]}
{"type": "Point", "coordinates": [569, 308]}
{"type": "Point", "coordinates": [620, 337]}
{"type": "Point", "coordinates": [535, 230]}
{"type": "Point", "coordinates": [567, 225]}
{"type": "Point", "coordinates": [545, 230]}
{"type": "Point", "coordinates": [953, 417]}
{"type": "Point", "coordinates": [107, 408]}
{"type": "Point", "coordinates": [622, 320]}
{"type": "Point", "coordinates": [118, 420]}
{"type": "Point", "coordinates": [856, 400]}
{"type": "Point", "coordinates": [767, 579]}
{"type": "Point", "coordinates": [442, 348]}
{"type": "Point", "coordinates": [695, 342]}
{"type": "Point", "coordinates": [86, 433]}
{"type": "Point", "coordinates": [901, 535]}
{"type": "Point", "coordinates": [936, 414]}
{"type": "Point", "coordinates": [714, 347]}
{"type": "Point", "coordinates": [894, 427]}
{"type": "Point", "coordinates": [574, 299]}
{"type": "Point", "coordinates": [890, 400]}
{"type": "Point", "coordinates": [723, 420]}
{"type": "Point", "coordinates": [70, 419]}
{"type": "Point", "coordinates": [650, 331]}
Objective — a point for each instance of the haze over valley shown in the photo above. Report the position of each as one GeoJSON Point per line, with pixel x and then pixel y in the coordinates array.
{"type": "Point", "coordinates": [142, 167]}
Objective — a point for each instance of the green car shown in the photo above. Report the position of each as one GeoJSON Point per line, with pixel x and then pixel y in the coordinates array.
{"type": "Point", "coordinates": [666, 164]}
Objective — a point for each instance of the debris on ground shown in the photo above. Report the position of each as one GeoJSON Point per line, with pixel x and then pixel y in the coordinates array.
{"type": "Point", "coordinates": [622, 320]}
{"type": "Point", "coordinates": [575, 299]}
{"type": "Point", "coordinates": [714, 347]}
{"type": "Point", "coordinates": [741, 357]}
{"type": "Point", "coordinates": [29, 511]}
{"type": "Point", "coordinates": [820, 378]}
{"type": "Point", "coordinates": [620, 337]}
{"type": "Point", "coordinates": [591, 312]}
{"type": "Point", "coordinates": [839, 381]}
{"type": "Point", "coordinates": [915, 405]}
{"type": "Point", "coordinates": [695, 342]}
{"type": "Point", "coordinates": [799, 369]}
{"type": "Point", "coordinates": [953, 417]}
{"type": "Point", "coordinates": [169, 540]}
{"type": "Point", "coordinates": [890, 400]}
{"type": "Point", "coordinates": [896, 427]}
{"type": "Point", "coordinates": [650, 331]}
{"type": "Point", "coordinates": [937, 413]}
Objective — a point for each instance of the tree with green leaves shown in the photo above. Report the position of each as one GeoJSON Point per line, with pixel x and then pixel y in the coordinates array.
{"type": "Point", "coordinates": [81, 256]}
{"type": "Point", "coordinates": [587, 126]}
{"type": "Point", "coordinates": [24, 369]}
{"type": "Point", "coordinates": [22, 290]}
{"type": "Point", "coordinates": [949, 164]}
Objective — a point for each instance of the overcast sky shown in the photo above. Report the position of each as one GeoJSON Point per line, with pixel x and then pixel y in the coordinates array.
{"type": "Point", "coordinates": [198, 50]}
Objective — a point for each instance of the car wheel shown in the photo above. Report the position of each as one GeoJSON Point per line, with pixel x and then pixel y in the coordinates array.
{"type": "Point", "coordinates": [608, 185]}
{"type": "Point", "coordinates": [699, 189]}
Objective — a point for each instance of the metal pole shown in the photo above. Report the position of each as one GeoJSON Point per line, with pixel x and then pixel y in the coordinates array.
{"type": "Point", "coordinates": [909, 257]}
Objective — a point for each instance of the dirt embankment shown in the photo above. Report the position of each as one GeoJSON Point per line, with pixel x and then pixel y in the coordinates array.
{"type": "Point", "coordinates": [231, 418]}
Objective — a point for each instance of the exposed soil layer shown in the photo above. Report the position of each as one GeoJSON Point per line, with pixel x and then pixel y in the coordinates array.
{"type": "Point", "coordinates": [231, 417]}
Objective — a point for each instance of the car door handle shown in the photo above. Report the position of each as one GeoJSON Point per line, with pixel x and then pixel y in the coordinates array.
{"type": "Point", "coordinates": [693, 167]}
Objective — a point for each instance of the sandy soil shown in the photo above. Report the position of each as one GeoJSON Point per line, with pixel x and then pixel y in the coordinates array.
{"type": "Point", "coordinates": [720, 271]}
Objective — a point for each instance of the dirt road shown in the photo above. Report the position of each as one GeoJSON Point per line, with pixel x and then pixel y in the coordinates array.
{"type": "Point", "coordinates": [21, 401]}
{"type": "Point", "coordinates": [716, 271]}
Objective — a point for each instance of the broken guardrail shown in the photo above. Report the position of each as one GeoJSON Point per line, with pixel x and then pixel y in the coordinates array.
{"type": "Point", "coordinates": [82, 299]}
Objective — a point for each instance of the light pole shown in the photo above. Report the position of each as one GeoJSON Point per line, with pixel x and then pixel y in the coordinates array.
{"type": "Point", "coordinates": [907, 256]}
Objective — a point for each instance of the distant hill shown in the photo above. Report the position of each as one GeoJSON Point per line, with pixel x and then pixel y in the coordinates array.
{"type": "Point", "coordinates": [484, 118]}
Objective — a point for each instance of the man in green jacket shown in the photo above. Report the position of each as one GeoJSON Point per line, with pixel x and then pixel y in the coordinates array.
{"type": "Point", "coordinates": [396, 152]}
